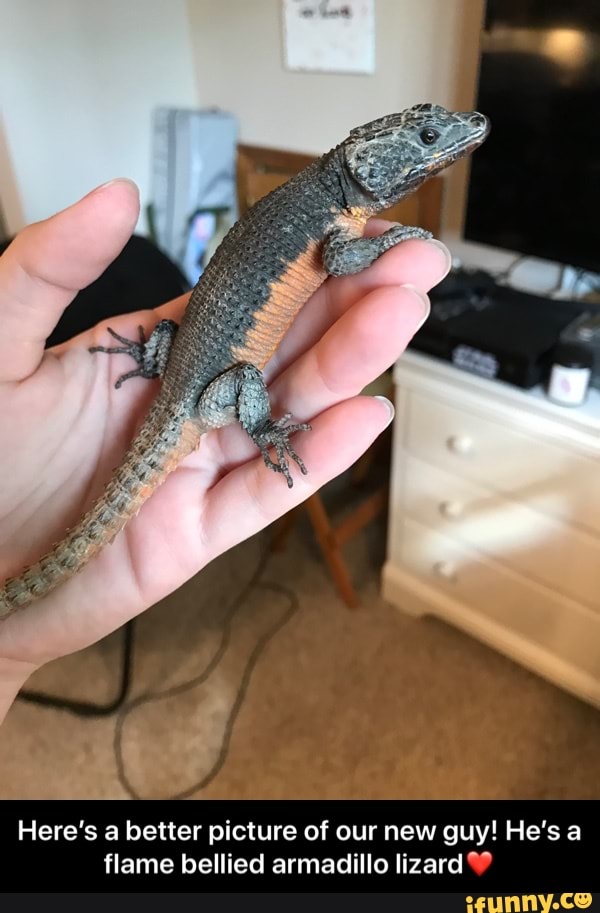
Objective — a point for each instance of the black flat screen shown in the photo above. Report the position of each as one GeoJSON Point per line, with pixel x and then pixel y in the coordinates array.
{"type": "Point", "coordinates": [535, 183]}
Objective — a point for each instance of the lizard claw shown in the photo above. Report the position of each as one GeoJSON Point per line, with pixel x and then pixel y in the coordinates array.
{"type": "Point", "coordinates": [127, 347]}
{"type": "Point", "coordinates": [150, 355]}
{"type": "Point", "coordinates": [408, 233]}
{"type": "Point", "coordinates": [275, 433]}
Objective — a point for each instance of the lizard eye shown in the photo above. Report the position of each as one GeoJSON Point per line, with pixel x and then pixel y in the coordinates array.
{"type": "Point", "coordinates": [428, 136]}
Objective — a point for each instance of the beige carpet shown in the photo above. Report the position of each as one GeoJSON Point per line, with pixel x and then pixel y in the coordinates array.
{"type": "Point", "coordinates": [357, 704]}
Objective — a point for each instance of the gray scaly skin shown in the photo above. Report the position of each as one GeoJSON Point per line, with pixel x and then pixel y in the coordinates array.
{"type": "Point", "coordinates": [266, 268]}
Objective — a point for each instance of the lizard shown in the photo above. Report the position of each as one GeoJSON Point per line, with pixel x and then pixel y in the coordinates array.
{"type": "Point", "coordinates": [266, 267]}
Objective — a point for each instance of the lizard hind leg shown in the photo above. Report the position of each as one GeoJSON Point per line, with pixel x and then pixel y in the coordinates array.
{"type": "Point", "coordinates": [277, 433]}
{"type": "Point", "coordinates": [150, 354]}
{"type": "Point", "coordinates": [241, 393]}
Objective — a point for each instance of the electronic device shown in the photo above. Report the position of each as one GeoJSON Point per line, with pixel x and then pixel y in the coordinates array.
{"type": "Point", "coordinates": [492, 330]}
{"type": "Point", "coordinates": [193, 172]}
{"type": "Point", "coordinates": [535, 183]}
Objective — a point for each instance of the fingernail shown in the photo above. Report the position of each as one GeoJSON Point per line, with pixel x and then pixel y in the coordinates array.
{"type": "Point", "coordinates": [115, 181]}
{"type": "Point", "coordinates": [424, 300]}
{"type": "Point", "coordinates": [390, 408]}
{"type": "Point", "coordinates": [446, 254]}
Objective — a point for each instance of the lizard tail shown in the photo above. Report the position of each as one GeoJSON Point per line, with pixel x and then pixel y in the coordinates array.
{"type": "Point", "coordinates": [162, 442]}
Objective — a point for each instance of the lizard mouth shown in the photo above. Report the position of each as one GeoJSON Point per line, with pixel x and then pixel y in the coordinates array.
{"type": "Point", "coordinates": [473, 142]}
{"type": "Point", "coordinates": [484, 125]}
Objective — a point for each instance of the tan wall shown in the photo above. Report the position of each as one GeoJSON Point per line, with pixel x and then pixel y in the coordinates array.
{"type": "Point", "coordinates": [426, 50]}
{"type": "Point", "coordinates": [60, 135]}
{"type": "Point", "coordinates": [79, 82]}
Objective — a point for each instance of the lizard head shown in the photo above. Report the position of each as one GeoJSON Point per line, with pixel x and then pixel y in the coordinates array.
{"type": "Point", "coordinates": [391, 156]}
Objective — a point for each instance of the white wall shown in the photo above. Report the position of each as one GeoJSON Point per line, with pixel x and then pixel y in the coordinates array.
{"type": "Point", "coordinates": [426, 50]}
{"type": "Point", "coordinates": [78, 83]}
{"type": "Point", "coordinates": [79, 80]}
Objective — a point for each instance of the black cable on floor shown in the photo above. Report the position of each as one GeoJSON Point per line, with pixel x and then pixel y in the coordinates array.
{"type": "Point", "coordinates": [203, 676]}
{"type": "Point", "coordinates": [91, 708]}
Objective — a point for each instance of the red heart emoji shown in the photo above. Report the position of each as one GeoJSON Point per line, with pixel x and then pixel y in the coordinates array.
{"type": "Point", "coordinates": [479, 862]}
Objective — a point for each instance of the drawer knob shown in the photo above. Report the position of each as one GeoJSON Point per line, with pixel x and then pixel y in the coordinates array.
{"type": "Point", "coordinates": [460, 443]}
{"type": "Point", "coordinates": [452, 510]}
{"type": "Point", "coordinates": [445, 569]}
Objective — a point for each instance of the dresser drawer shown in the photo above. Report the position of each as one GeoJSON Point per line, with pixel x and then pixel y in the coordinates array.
{"type": "Point", "coordinates": [528, 613]}
{"type": "Point", "coordinates": [551, 478]}
{"type": "Point", "coordinates": [531, 543]}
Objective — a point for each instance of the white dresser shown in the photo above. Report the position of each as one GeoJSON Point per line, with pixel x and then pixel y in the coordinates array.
{"type": "Point", "coordinates": [495, 517]}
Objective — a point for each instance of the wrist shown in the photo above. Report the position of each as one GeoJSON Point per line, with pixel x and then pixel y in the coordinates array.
{"type": "Point", "coordinates": [13, 675]}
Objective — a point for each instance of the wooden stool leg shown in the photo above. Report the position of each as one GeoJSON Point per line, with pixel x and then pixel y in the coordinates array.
{"type": "Point", "coordinates": [332, 553]}
{"type": "Point", "coordinates": [282, 530]}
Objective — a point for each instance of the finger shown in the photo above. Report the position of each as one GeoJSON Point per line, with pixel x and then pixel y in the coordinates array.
{"type": "Point", "coordinates": [50, 261]}
{"type": "Point", "coordinates": [243, 503]}
{"type": "Point", "coordinates": [419, 263]}
{"type": "Point", "coordinates": [126, 325]}
{"type": "Point", "coordinates": [173, 310]}
{"type": "Point", "coordinates": [355, 351]}
{"type": "Point", "coordinates": [338, 438]}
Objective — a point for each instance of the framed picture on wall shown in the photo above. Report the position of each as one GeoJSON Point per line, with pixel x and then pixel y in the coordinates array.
{"type": "Point", "coordinates": [329, 36]}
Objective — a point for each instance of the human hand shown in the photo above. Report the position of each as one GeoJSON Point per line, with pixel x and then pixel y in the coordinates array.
{"type": "Point", "coordinates": [65, 427]}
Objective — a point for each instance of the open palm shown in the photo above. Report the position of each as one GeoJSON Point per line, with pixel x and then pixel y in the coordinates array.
{"type": "Point", "coordinates": [65, 427]}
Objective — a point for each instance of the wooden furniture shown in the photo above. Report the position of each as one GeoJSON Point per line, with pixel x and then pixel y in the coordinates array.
{"type": "Point", "coordinates": [259, 171]}
{"type": "Point", "coordinates": [495, 517]}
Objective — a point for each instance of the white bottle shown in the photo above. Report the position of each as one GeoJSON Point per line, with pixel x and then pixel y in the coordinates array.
{"type": "Point", "coordinates": [571, 374]}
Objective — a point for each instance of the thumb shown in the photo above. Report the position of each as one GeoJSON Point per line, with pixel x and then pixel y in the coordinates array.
{"type": "Point", "coordinates": [50, 261]}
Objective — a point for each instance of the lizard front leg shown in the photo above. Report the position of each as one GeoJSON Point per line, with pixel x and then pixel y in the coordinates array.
{"type": "Point", "coordinates": [241, 393]}
{"type": "Point", "coordinates": [345, 252]}
{"type": "Point", "coordinates": [150, 354]}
